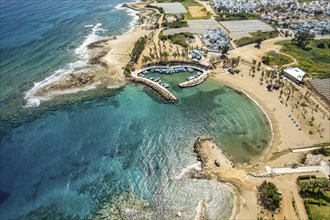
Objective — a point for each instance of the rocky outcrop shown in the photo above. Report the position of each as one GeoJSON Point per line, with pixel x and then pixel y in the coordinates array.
{"type": "Point", "coordinates": [198, 150]}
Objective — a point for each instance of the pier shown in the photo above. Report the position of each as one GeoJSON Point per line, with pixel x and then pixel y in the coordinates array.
{"type": "Point", "coordinates": [196, 81]}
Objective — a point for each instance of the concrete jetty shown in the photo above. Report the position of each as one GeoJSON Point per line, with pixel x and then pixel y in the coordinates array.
{"type": "Point", "coordinates": [196, 81]}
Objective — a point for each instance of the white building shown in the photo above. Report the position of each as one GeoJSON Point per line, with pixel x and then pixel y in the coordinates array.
{"type": "Point", "coordinates": [294, 74]}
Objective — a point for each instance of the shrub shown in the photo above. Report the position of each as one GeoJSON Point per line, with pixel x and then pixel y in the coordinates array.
{"type": "Point", "coordinates": [308, 210]}
{"type": "Point", "coordinates": [324, 151]}
{"type": "Point", "coordinates": [138, 48]}
{"type": "Point", "coordinates": [320, 45]}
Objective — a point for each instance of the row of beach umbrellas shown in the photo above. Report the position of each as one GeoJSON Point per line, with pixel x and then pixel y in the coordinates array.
{"type": "Point", "coordinates": [295, 122]}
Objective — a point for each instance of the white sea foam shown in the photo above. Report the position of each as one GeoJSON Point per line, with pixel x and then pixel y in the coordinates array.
{"type": "Point", "coordinates": [195, 166]}
{"type": "Point", "coordinates": [130, 12]}
{"type": "Point", "coordinates": [82, 50]}
{"type": "Point", "coordinates": [82, 54]}
{"type": "Point", "coordinates": [133, 23]}
{"type": "Point", "coordinates": [119, 7]}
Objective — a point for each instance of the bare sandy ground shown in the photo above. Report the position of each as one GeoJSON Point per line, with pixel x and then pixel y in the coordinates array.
{"type": "Point", "coordinates": [197, 11]}
{"type": "Point", "coordinates": [118, 56]}
{"type": "Point", "coordinates": [285, 135]}
{"type": "Point", "coordinates": [207, 6]}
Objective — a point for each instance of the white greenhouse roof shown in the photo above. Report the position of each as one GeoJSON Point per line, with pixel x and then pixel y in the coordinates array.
{"type": "Point", "coordinates": [171, 8]}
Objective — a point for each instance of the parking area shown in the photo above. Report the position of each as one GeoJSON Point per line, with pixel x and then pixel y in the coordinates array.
{"type": "Point", "coordinates": [195, 27]}
{"type": "Point", "coordinates": [239, 29]}
{"type": "Point", "coordinates": [171, 8]}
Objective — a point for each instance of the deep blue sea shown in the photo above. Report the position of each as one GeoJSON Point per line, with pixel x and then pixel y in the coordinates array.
{"type": "Point", "coordinates": [99, 151]}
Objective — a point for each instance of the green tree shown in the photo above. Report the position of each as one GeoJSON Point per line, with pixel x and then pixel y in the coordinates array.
{"type": "Point", "coordinates": [269, 196]}
{"type": "Point", "coordinates": [302, 39]}
{"type": "Point", "coordinates": [224, 49]}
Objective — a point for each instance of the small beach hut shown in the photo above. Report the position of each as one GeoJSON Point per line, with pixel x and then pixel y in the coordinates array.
{"type": "Point", "coordinates": [294, 74]}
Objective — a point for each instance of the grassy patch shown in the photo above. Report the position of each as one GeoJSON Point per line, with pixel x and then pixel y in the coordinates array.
{"type": "Point", "coordinates": [188, 16]}
{"type": "Point", "coordinates": [312, 58]}
{"type": "Point", "coordinates": [276, 59]}
{"type": "Point", "coordinates": [177, 24]}
{"type": "Point", "coordinates": [256, 36]}
{"type": "Point", "coordinates": [316, 197]}
{"type": "Point", "coordinates": [319, 212]}
{"type": "Point", "coordinates": [227, 16]}
{"type": "Point", "coordinates": [179, 39]}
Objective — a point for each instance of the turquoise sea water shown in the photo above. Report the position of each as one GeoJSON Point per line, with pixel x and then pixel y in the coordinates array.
{"type": "Point", "coordinates": [68, 158]}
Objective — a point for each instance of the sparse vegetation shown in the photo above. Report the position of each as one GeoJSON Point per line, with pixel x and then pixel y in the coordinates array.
{"type": "Point", "coordinates": [256, 37]}
{"type": "Point", "coordinates": [138, 48]}
{"type": "Point", "coordinates": [178, 23]}
{"type": "Point", "coordinates": [179, 39]}
{"type": "Point", "coordinates": [277, 59]}
{"type": "Point", "coordinates": [312, 58]}
{"type": "Point", "coordinates": [324, 151]}
{"type": "Point", "coordinates": [227, 16]}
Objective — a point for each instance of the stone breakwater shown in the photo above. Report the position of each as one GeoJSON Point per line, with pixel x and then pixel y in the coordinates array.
{"type": "Point", "coordinates": [163, 92]}
{"type": "Point", "coordinates": [195, 82]}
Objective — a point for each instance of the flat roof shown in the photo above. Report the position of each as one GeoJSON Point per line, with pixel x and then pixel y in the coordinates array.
{"type": "Point", "coordinates": [296, 73]}
{"type": "Point", "coordinates": [171, 8]}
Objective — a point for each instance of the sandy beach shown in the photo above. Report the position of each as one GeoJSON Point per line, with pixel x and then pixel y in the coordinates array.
{"type": "Point", "coordinates": [285, 135]}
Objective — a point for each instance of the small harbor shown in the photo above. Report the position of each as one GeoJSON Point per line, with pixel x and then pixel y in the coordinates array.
{"type": "Point", "coordinates": [153, 78]}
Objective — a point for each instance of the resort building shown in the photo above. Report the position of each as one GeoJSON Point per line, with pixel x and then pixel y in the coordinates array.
{"type": "Point", "coordinates": [215, 39]}
{"type": "Point", "coordinates": [294, 74]}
